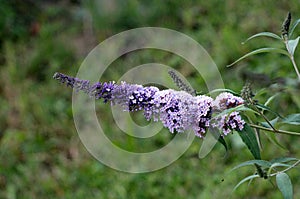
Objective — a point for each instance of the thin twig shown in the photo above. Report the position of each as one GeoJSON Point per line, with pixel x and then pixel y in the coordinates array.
{"type": "Point", "coordinates": [265, 118]}
{"type": "Point", "coordinates": [285, 170]}
{"type": "Point", "coordinates": [272, 130]}
{"type": "Point", "coordinates": [295, 66]}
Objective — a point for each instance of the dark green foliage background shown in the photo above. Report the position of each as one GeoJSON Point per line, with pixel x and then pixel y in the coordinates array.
{"type": "Point", "coordinates": [41, 155]}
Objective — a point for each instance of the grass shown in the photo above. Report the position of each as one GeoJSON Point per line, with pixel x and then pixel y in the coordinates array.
{"type": "Point", "coordinates": [40, 152]}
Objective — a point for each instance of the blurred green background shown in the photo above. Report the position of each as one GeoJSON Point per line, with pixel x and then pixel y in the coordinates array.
{"type": "Point", "coordinates": [41, 155]}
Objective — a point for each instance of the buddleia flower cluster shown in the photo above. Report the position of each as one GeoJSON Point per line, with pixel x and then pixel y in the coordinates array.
{"type": "Point", "coordinates": [177, 110]}
{"type": "Point", "coordinates": [230, 121]}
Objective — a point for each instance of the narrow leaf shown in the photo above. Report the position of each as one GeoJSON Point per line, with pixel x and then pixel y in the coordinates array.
{"type": "Point", "coordinates": [223, 142]}
{"type": "Point", "coordinates": [262, 163]}
{"type": "Point", "coordinates": [285, 185]}
{"type": "Point", "coordinates": [261, 50]}
{"type": "Point", "coordinates": [263, 107]}
{"type": "Point", "coordinates": [293, 28]}
{"type": "Point", "coordinates": [292, 45]}
{"type": "Point", "coordinates": [270, 99]}
{"type": "Point", "coordinates": [274, 165]}
{"type": "Point", "coordinates": [283, 159]}
{"type": "Point", "coordinates": [245, 179]}
{"type": "Point", "coordinates": [292, 119]}
{"type": "Point", "coordinates": [249, 138]}
{"type": "Point", "coordinates": [237, 108]}
{"type": "Point", "coordinates": [261, 34]}
{"type": "Point", "coordinates": [272, 122]}
{"type": "Point", "coordinates": [279, 165]}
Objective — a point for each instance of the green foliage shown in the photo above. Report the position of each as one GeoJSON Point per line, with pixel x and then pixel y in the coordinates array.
{"type": "Point", "coordinates": [40, 152]}
{"type": "Point", "coordinates": [261, 34]}
{"type": "Point", "coordinates": [264, 170]}
{"type": "Point", "coordinates": [261, 50]}
{"type": "Point", "coordinates": [292, 119]}
{"type": "Point", "coordinates": [292, 45]}
{"type": "Point", "coordinates": [249, 138]}
{"type": "Point", "coordinates": [285, 186]}
{"type": "Point", "coordinates": [285, 38]}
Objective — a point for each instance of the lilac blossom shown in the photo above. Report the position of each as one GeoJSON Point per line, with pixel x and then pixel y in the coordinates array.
{"type": "Point", "coordinates": [229, 122]}
{"type": "Point", "coordinates": [133, 97]}
{"type": "Point", "coordinates": [180, 111]}
{"type": "Point", "coordinates": [226, 100]}
{"type": "Point", "coordinates": [177, 110]}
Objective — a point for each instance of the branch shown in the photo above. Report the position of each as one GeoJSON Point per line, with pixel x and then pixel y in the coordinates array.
{"type": "Point", "coordinates": [272, 130]}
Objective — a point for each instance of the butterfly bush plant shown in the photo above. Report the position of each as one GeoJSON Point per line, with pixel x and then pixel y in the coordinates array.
{"type": "Point", "coordinates": [229, 112]}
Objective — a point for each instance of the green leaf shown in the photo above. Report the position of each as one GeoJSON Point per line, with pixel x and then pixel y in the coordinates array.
{"type": "Point", "coordinates": [223, 142]}
{"type": "Point", "coordinates": [292, 45]}
{"type": "Point", "coordinates": [249, 138]}
{"type": "Point", "coordinates": [285, 185]}
{"type": "Point", "coordinates": [263, 107]}
{"type": "Point", "coordinates": [266, 34]}
{"type": "Point", "coordinates": [293, 28]}
{"type": "Point", "coordinates": [279, 165]}
{"type": "Point", "coordinates": [262, 163]}
{"type": "Point", "coordinates": [272, 122]}
{"type": "Point", "coordinates": [245, 179]}
{"type": "Point", "coordinates": [237, 108]}
{"type": "Point", "coordinates": [261, 50]}
{"type": "Point", "coordinates": [292, 119]}
{"type": "Point", "coordinates": [270, 99]}
{"type": "Point", "coordinates": [283, 159]}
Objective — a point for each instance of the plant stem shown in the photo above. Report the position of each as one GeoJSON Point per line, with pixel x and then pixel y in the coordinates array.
{"type": "Point", "coordinates": [265, 118]}
{"type": "Point", "coordinates": [292, 58]}
{"type": "Point", "coordinates": [295, 66]}
{"type": "Point", "coordinates": [276, 131]}
{"type": "Point", "coordinates": [285, 170]}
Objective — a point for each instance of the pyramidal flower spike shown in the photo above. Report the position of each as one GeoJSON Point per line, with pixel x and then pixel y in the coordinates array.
{"type": "Point", "coordinates": [177, 110]}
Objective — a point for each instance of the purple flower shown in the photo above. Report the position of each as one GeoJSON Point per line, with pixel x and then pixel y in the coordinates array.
{"type": "Point", "coordinates": [226, 100]}
{"type": "Point", "coordinates": [230, 122]}
{"type": "Point", "coordinates": [97, 90]}
{"type": "Point", "coordinates": [203, 114]}
{"type": "Point", "coordinates": [177, 110]}
{"type": "Point", "coordinates": [180, 111]}
{"type": "Point", "coordinates": [76, 83]}
{"type": "Point", "coordinates": [227, 122]}
{"type": "Point", "coordinates": [133, 97]}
